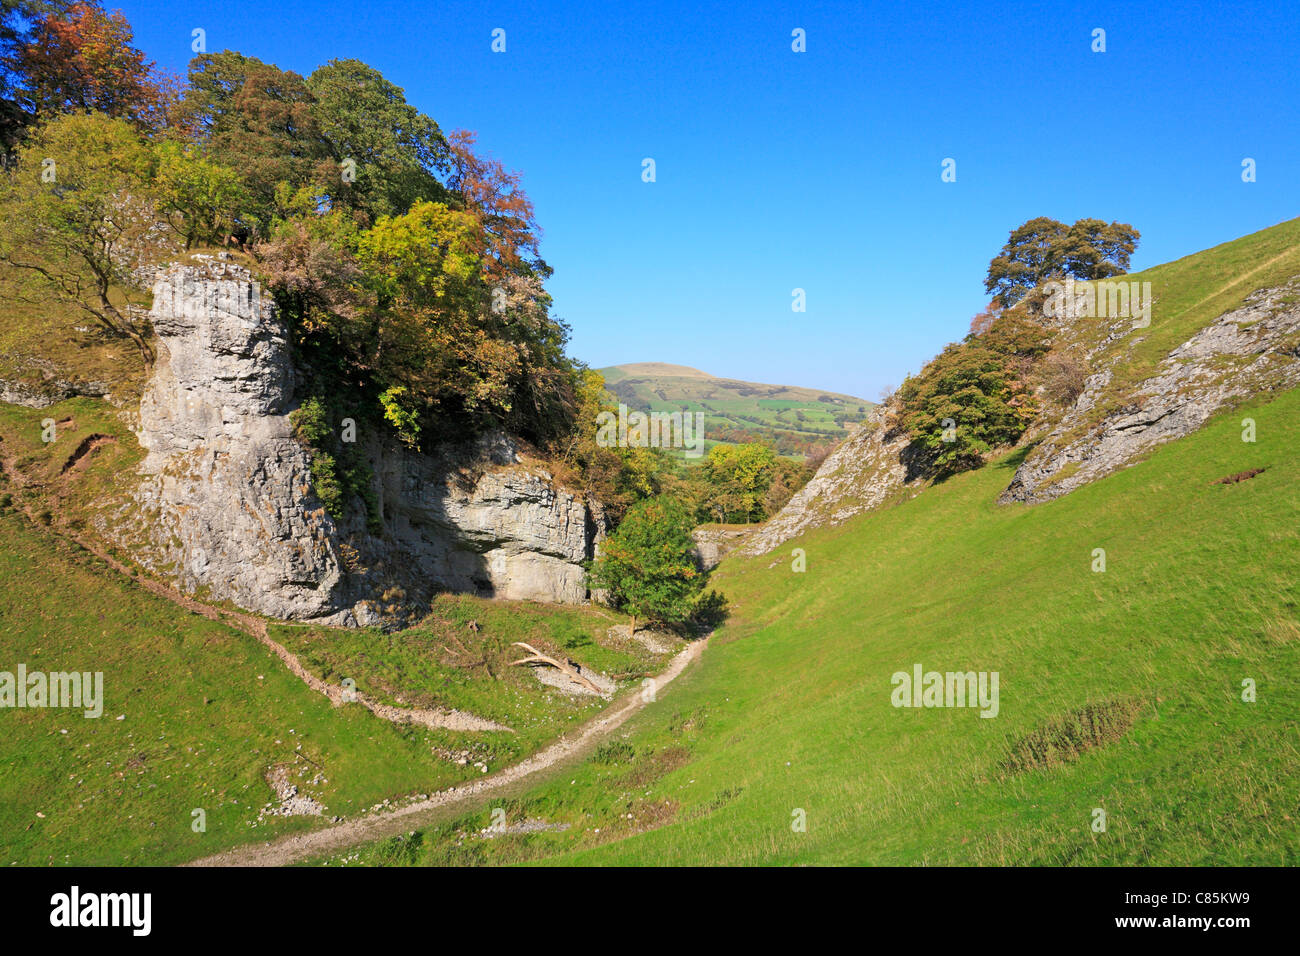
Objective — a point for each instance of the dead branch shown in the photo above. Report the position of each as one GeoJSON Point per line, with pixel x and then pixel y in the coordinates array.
{"type": "Point", "coordinates": [537, 657]}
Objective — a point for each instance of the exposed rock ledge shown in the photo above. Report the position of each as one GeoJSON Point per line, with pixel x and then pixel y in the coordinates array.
{"type": "Point", "coordinates": [226, 503]}
{"type": "Point", "coordinates": [1242, 353]}
{"type": "Point", "coordinates": [871, 466]}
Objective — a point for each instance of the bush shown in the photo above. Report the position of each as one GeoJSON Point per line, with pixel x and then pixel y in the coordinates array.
{"type": "Point", "coordinates": [974, 396]}
{"type": "Point", "coordinates": [339, 472]}
{"type": "Point", "coordinates": [648, 564]}
{"type": "Point", "coordinates": [1064, 376]}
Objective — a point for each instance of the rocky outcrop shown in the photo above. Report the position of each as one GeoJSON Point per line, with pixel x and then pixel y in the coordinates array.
{"type": "Point", "coordinates": [41, 386]}
{"type": "Point", "coordinates": [874, 464]}
{"type": "Point", "coordinates": [226, 504]}
{"type": "Point", "coordinates": [1243, 353]}
{"type": "Point", "coordinates": [500, 527]}
{"type": "Point", "coordinates": [714, 544]}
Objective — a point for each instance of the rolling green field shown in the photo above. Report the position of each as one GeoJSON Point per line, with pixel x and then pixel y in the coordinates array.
{"type": "Point", "coordinates": [734, 409]}
{"type": "Point", "coordinates": [1119, 690]}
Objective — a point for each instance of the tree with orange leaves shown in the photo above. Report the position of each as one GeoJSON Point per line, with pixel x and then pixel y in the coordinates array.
{"type": "Point", "coordinates": [494, 196]}
{"type": "Point", "coordinates": [983, 321]}
{"type": "Point", "coordinates": [83, 60]}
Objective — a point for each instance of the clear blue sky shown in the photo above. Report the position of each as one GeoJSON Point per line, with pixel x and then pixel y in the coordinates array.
{"type": "Point", "coordinates": [818, 170]}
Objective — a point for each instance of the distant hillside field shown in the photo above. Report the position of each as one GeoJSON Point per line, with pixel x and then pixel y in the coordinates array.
{"type": "Point", "coordinates": [795, 420]}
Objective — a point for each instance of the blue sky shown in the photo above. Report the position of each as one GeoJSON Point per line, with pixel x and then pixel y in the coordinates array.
{"type": "Point", "coordinates": [819, 170]}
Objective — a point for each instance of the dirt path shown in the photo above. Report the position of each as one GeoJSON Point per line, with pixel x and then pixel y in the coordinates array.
{"type": "Point", "coordinates": [1240, 279]}
{"type": "Point", "coordinates": [247, 623]}
{"type": "Point", "coordinates": [456, 800]}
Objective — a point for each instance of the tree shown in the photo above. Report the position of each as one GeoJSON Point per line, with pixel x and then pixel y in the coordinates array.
{"type": "Point", "coordinates": [648, 564]}
{"type": "Point", "coordinates": [82, 60]}
{"type": "Point", "coordinates": [740, 476]}
{"type": "Point", "coordinates": [393, 150]}
{"type": "Point", "coordinates": [788, 476]}
{"type": "Point", "coordinates": [71, 228]}
{"type": "Point", "coordinates": [257, 119]}
{"type": "Point", "coordinates": [16, 19]}
{"type": "Point", "coordinates": [974, 395]}
{"type": "Point", "coordinates": [983, 321]}
{"type": "Point", "coordinates": [1095, 250]}
{"type": "Point", "coordinates": [494, 195]}
{"type": "Point", "coordinates": [1042, 248]}
{"type": "Point", "coordinates": [200, 200]}
{"type": "Point", "coordinates": [1031, 254]}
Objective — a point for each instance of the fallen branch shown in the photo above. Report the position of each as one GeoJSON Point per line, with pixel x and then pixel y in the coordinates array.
{"type": "Point", "coordinates": [537, 657]}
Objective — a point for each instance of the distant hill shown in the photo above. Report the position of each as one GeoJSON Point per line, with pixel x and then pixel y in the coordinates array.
{"type": "Point", "coordinates": [798, 421]}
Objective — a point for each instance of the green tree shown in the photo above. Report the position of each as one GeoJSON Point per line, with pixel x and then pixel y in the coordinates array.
{"type": "Point", "coordinates": [1094, 249]}
{"type": "Point", "coordinates": [394, 150]}
{"type": "Point", "coordinates": [75, 209]}
{"type": "Point", "coordinates": [1042, 248]}
{"type": "Point", "coordinates": [1031, 253]}
{"type": "Point", "coordinates": [648, 564]}
{"type": "Point", "coordinates": [974, 395]}
{"type": "Point", "coordinates": [254, 117]}
{"type": "Point", "coordinates": [199, 199]}
{"type": "Point", "coordinates": [740, 476]}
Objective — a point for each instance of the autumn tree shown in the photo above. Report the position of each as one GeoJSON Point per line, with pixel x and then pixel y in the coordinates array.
{"type": "Point", "coordinates": [494, 196]}
{"type": "Point", "coordinates": [788, 476]}
{"type": "Point", "coordinates": [16, 20]}
{"type": "Point", "coordinates": [82, 59]}
{"type": "Point", "coordinates": [983, 320]}
{"type": "Point", "coordinates": [75, 209]}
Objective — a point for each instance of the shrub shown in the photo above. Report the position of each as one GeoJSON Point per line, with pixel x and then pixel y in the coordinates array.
{"type": "Point", "coordinates": [648, 564]}
{"type": "Point", "coordinates": [974, 396]}
{"type": "Point", "coordinates": [338, 470]}
{"type": "Point", "coordinates": [1064, 376]}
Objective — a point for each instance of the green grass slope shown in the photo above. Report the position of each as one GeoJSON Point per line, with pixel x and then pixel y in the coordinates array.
{"type": "Point", "coordinates": [1189, 294]}
{"type": "Point", "coordinates": [1120, 690]}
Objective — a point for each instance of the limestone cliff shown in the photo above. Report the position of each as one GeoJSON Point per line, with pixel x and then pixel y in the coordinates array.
{"type": "Point", "coordinates": [226, 500]}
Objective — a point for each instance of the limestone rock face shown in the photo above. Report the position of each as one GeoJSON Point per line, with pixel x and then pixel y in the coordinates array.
{"type": "Point", "coordinates": [874, 464]}
{"type": "Point", "coordinates": [713, 544]}
{"type": "Point", "coordinates": [515, 535]}
{"type": "Point", "coordinates": [1242, 353]}
{"type": "Point", "coordinates": [227, 505]}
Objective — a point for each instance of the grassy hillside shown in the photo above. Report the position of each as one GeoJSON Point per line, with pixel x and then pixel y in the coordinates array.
{"type": "Point", "coordinates": [792, 418]}
{"type": "Point", "coordinates": [1133, 676]}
